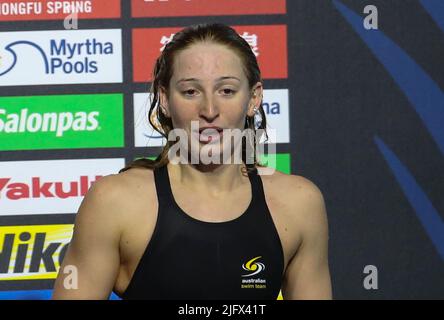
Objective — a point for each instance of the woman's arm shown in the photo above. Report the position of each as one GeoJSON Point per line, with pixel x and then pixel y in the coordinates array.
{"type": "Point", "coordinates": [92, 260]}
{"type": "Point", "coordinates": [307, 275]}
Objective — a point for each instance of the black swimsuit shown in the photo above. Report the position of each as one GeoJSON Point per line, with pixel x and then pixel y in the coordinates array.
{"type": "Point", "coordinates": [188, 258]}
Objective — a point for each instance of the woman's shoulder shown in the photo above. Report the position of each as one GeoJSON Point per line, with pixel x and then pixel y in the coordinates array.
{"type": "Point", "coordinates": [136, 175]}
{"type": "Point", "coordinates": [298, 194]}
{"type": "Point", "coordinates": [285, 181]}
{"type": "Point", "coordinates": [125, 186]}
{"type": "Point", "coordinates": [130, 176]}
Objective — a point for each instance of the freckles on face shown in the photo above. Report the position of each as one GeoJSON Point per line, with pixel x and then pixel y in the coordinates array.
{"type": "Point", "coordinates": [225, 100]}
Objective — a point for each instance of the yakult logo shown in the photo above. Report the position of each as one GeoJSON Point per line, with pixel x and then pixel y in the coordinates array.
{"type": "Point", "coordinates": [55, 186]}
{"type": "Point", "coordinates": [48, 57]}
{"type": "Point", "coordinates": [39, 188]}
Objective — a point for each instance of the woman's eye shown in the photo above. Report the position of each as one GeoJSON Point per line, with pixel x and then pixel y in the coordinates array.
{"type": "Point", "coordinates": [228, 91]}
{"type": "Point", "coordinates": [189, 92]}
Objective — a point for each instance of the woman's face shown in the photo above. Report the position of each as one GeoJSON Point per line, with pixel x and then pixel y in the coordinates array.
{"type": "Point", "coordinates": [209, 86]}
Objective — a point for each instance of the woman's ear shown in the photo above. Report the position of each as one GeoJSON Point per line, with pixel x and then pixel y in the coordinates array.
{"type": "Point", "coordinates": [163, 101]}
{"type": "Point", "coordinates": [255, 99]}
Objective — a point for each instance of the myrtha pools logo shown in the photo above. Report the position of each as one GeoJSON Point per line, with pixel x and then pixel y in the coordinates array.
{"type": "Point", "coordinates": [60, 57]}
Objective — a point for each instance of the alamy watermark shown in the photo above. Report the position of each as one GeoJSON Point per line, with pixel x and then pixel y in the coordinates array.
{"type": "Point", "coordinates": [371, 20]}
{"type": "Point", "coordinates": [371, 280]}
{"type": "Point", "coordinates": [71, 22]}
{"type": "Point", "coordinates": [221, 146]}
{"type": "Point", "coordinates": [71, 281]}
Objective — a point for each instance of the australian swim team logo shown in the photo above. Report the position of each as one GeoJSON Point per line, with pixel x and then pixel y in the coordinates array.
{"type": "Point", "coordinates": [253, 268]}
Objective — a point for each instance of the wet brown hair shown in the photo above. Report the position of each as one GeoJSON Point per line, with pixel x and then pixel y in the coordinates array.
{"type": "Point", "coordinates": [163, 70]}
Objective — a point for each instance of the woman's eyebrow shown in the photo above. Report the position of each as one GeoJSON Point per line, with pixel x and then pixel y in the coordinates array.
{"type": "Point", "coordinates": [227, 77]}
{"type": "Point", "coordinates": [217, 80]}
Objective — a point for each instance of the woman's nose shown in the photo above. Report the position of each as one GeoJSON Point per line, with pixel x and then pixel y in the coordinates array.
{"type": "Point", "coordinates": [209, 109]}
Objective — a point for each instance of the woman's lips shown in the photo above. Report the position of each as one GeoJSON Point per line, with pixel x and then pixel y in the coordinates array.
{"type": "Point", "coordinates": [210, 135]}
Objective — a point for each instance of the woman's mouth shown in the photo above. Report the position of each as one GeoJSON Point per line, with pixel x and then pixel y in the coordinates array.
{"type": "Point", "coordinates": [207, 135]}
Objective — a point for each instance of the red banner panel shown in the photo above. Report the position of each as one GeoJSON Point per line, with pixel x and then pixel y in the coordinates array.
{"type": "Point", "coordinates": [268, 42]}
{"type": "Point", "coordinates": [176, 8]}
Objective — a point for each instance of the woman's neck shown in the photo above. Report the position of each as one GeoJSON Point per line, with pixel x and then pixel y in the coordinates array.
{"type": "Point", "coordinates": [211, 179]}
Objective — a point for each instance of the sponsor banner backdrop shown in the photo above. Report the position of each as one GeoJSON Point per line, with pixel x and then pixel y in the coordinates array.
{"type": "Point", "coordinates": [144, 133]}
{"type": "Point", "coordinates": [35, 295]}
{"type": "Point", "coordinates": [49, 186]}
{"type": "Point", "coordinates": [60, 57]}
{"type": "Point", "coordinates": [33, 251]}
{"type": "Point", "coordinates": [61, 122]}
{"type": "Point", "coordinates": [356, 110]}
{"type": "Point", "coordinates": [275, 104]}
{"type": "Point", "coordinates": [174, 8]}
{"type": "Point", "coordinates": [16, 10]}
{"type": "Point", "coordinates": [268, 42]}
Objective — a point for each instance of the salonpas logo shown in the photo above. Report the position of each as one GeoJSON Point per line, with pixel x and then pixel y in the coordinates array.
{"type": "Point", "coordinates": [63, 121]}
{"type": "Point", "coordinates": [58, 123]}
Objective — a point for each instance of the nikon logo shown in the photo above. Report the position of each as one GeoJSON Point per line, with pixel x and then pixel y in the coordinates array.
{"type": "Point", "coordinates": [32, 252]}
{"type": "Point", "coordinates": [57, 123]}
